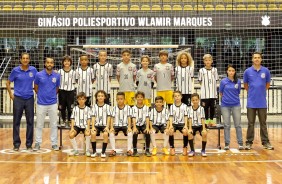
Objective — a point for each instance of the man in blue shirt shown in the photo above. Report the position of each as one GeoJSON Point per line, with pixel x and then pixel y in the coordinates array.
{"type": "Point", "coordinates": [46, 85]}
{"type": "Point", "coordinates": [23, 100]}
{"type": "Point", "coordinates": [256, 82]}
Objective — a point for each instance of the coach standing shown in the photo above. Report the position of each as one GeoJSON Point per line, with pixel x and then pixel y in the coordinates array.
{"type": "Point", "coordinates": [23, 100]}
{"type": "Point", "coordinates": [46, 85]}
{"type": "Point", "coordinates": [256, 82]}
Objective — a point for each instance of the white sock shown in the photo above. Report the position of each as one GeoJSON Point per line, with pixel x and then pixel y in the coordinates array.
{"type": "Point", "coordinates": [87, 142]}
{"type": "Point", "coordinates": [129, 141]}
{"type": "Point", "coordinates": [112, 141]}
{"type": "Point", "coordinates": [74, 144]}
{"type": "Point", "coordinates": [166, 137]}
{"type": "Point", "coordinates": [153, 139]}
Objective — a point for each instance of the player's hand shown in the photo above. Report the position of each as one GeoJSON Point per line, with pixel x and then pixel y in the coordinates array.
{"type": "Point", "coordinates": [135, 129]}
{"type": "Point", "coordinates": [87, 131]}
{"type": "Point", "coordinates": [190, 131]}
{"type": "Point", "coordinates": [112, 130]}
{"type": "Point", "coordinates": [166, 130]}
{"type": "Point", "coordinates": [171, 130]}
{"type": "Point", "coordinates": [129, 130]}
{"type": "Point", "coordinates": [147, 131]}
{"type": "Point", "coordinates": [204, 130]}
{"type": "Point", "coordinates": [93, 130]}
{"type": "Point", "coordinates": [106, 130]}
{"type": "Point", "coordinates": [12, 96]}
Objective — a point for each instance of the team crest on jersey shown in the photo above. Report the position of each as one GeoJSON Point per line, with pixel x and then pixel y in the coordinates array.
{"type": "Point", "coordinates": [167, 67]}
{"type": "Point", "coordinates": [30, 74]}
{"type": "Point", "coordinates": [262, 75]}
{"type": "Point", "coordinates": [149, 75]}
{"type": "Point", "coordinates": [130, 68]}
{"type": "Point", "coordinates": [236, 86]}
{"type": "Point", "coordinates": [54, 80]}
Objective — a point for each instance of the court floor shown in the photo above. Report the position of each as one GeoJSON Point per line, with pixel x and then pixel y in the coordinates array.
{"type": "Point", "coordinates": [46, 166]}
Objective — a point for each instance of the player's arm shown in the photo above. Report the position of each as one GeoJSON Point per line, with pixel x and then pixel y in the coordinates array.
{"type": "Point", "coordinates": [72, 124]}
{"type": "Point", "coordinates": [107, 129]}
{"type": "Point", "coordinates": [246, 86]}
{"type": "Point", "coordinates": [203, 125]}
{"type": "Point", "coordinates": [186, 122]}
{"type": "Point", "coordinates": [267, 85]}
{"type": "Point", "coordinates": [36, 88]}
{"type": "Point", "coordinates": [112, 124]}
{"type": "Point", "coordinates": [8, 85]}
{"type": "Point", "coordinates": [190, 130]}
{"type": "Point", "coordinates": [147, 130]}
{"type": "Point", "coordinates": [170, 122]}
{"type": "Point", "coordinates": [93, 119]}
{"type": "Point", "coordinates": [118, 77]}
{"type": "Point", "coordinates": [129, 124]}
{"type": "Point", "coordinates": [133, 124]}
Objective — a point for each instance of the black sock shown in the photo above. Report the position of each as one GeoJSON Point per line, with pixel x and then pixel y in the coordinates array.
{"type": "Point", "coordinates": [171, 141]}
{"type": "Point", "coordinates": [191, 143]}
{"type": "Point", "coordinates": [135, 136]}
{"type": "Point", "coordinates": [185, 141]}
{"type": "Point", "coordinates": [94, 146]}
{"type": "Point", "coordinates": [204, 143]}
{"type": "Point", "coordinates": [148, 140]}
{"type": "Point", "coordinates": [104, 147]}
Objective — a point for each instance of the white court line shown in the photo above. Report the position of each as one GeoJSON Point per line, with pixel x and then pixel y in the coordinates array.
{"type": "Point", "coordinates": [180, 162]}
{"type": "Point", "coordinates": [124, 172]}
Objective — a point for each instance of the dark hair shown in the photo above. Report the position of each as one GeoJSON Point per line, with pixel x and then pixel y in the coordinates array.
{"type": "Point", "coordinates": [82, 55]}
{"type": "Point", "coordinates": [235, 75]}
{"type": "Point", "coordinates": [159, 98]}
{"type": "Point", "coordinates": [24, 53]}
{"type": "Point", "coordinates": [66, 57]}
{"type": "Point", "coordinates": [120, 94]}
{"type": "Point", "coordinates": [145, 56]}
{"type": "Point", "coordinates": [81, 94]}
{"type": "Point", "coordinates": [48, 58]}
{"type": "Point", "coordinates": [140, 93]}
{"type": "Point", "coordinates": [195, 94]}
{"type": "Point", "coordinates": [125, 50]}
{"type": "Point", "coordinates": [256, 53]}
{"type": "Point", "coordinates": [101, 91]}
{"type": "Point", "coordinates": [163, 52]}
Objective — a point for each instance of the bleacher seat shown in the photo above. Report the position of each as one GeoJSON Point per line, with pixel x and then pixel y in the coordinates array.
{"type": "Point", "coordinates": [28, 7]}
{"type": "Point", "coordinates": [113, 7]}
{"type": "Point", "coordinates": [177, 8]}
{"type": "Point", "coordinates": [49, 7]}
{"type": "Point", "coordinates": [238, 1]}
{"type": "Point", "coordinates": [102, 7]}
{"type": "Point", "coordinates": [220, 7]}
{"type": "Point", "coordinates": [134, 8]}
{"type": "Point", "coordinates": [145, 7]}
{"type": "Point", "coordinates": [81, 8]}
{"type": "Point", "coordinates": [156, 7]}
{"type": "Point", "coordinates": [60, 7]}
{"type": "Point", "coordinates": [71, 7]}
{"type": "Point", "coordinates": [261, 1]}
{"type": "Point", "coordinates": [272, 7]}
{"type": "Point", "coordinates": [167, 7]}
{"type": "Point", "coordinates": [18, 7]}
{"type": "Point", "coordinates": [280, 7]}
{"type": "Point", "coordinates": [241, 7]}
{"type": "Point", "coordinates": [188, 7]}
{"type": "Point", "coordinates": [92, 8]}
{"type": "Point", "coordinates": [228, 1]}
{"type": "Point", "coordinates": [123, 7]}
{"type": "Point", "coordinates": [198, 7]}
{"type": "Point", "coordinates": [252, 7]}
{"type": "Point", "coordinates": [262, 7]}
{"type": "Point", "coordinates": [38, 8]}
{"type": "Point", "coordinates": [209, 7]}
{"type": "Point", "coordinates": [7, 8]}
{"type": "Point", "coordinates": [230, 7]}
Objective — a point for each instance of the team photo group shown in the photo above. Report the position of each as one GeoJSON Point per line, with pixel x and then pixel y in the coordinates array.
{"type": "Point", "coordinates": [71, 90]}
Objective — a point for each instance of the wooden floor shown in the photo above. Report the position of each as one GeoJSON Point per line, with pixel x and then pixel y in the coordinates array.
{"type": "Point", "coordinates": [234, 166]}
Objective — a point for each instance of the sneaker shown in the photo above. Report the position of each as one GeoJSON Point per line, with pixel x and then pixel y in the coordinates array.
{"type": "Point", "coordinates": [88, 154]}
{"type": "Point", "coordinates": [203, 152]}
{"type": "Point", "coordinates": [93, 155]}
{"type": "Point", "coordinates": [268, 146]}
{"type": "Point", "coordinates": [148, 154]}
{"type": "Point", "coordinates": [112, 153]}
{"type": "Point", "coordinates": [63, 123]}
{"type": "Point", "coordinates": [184, 153]}
{"type": "Point", "coordinates": [36, 147]}
{"type": "Point", "coordinates": [248, 146]}
{"type": "Point", "coordinates": [129, 153]}
{"type": "Point", "coordinates": [103, 155]}
{"type": "Point", "coordinates": [241, 147]}
{"type": "Point", "coordinates": [16, 148]}
{"type": "Point", "coordinates": [29, 148]}
{"type": "Point", "coordinates": [74, 153]}
{"type": "Point", "coordinates": [191, 153]}
{"type": "Point", "coordinates": [135, 154]}
{"type": "Point", "coordinates": [226, 147]}
{"type": "Point", "coordinates": [55, 148]}
{"type": "Point", "coordinates": [172, 151]}
{"type": "Point", "coordinates": [154, 151]}
{"type": "Point", "coordinates": [166, 152]}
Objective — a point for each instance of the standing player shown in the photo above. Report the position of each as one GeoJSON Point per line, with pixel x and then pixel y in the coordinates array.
{"type": "Point", "coordinates": [141, 124]}
{"type": "Point", "coordinates": [80, 122]}
{"type": "Point", "coordinates": [121, 121]}
{"type": "Point", "coordinates": [66, 89]}
{"type": "Point", "coordinates": [85, 78]}
{"type": "Point", "coordinates": [100, 122]}
{"type": "Point", "coordinates": [103, 72]}
{"type": "Point", "coordinates": [144, 80]}
{"type": "Point", "coordinates": [178, 121]}
{"type": "Point", "coordinates": [164, 74]}
{"type": "Point", "coordinates": [126, 76]}
{"type": "Point", "coordinates": [46, 86]}
{"type": "Point", "coordinates": [208, 78]}
{"type": "Point", "coordinates": [23, 100]}
{"type": "Point", "coordinates": [256, 82]}
{"type": "Point", "coordinates": [196, 124]}
{"type": "Point", "coordinates": [184, 74]}
{"type": "Point", "coordinates": [159, 122]}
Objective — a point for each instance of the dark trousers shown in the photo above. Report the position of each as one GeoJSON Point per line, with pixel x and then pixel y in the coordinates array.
{"type": "Point", "coordinates": [251, 115]}
{"type": "Point", "coordinates": [20, 105]}
{"type": "Point", "coordinates": [66, 102]}
{"type": "Point", "coordinates": [209, 107]}
{"type": "Point", "coordinates": [186, 99]}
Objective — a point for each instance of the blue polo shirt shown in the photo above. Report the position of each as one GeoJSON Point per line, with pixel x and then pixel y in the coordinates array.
{"type": "Point", "coordinates": [256, 81]}
{"type": "Point", "coordinates": [23, 81]}
{"type": "Point", "coordinates": [230, 92]}
{"type": "Point", "coordinates": [47, 87]}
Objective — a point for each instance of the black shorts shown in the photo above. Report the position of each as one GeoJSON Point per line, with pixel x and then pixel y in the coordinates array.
{"type": "Point", "coordinates": [197, 128]}
{"type": "Point", "coordinates": [123, 129]}
{"type": "Point", "coordinates": [178, 127]}
{"type": "Point", "coordinates": [78, 130]}
{"type": "Point", "coordinates": [99, 129]}
{"type": "Point", "coordinates": [159, 128]}
{"type": "Point", "coordinates": [186, 99]}
{"type": "Point", "coordinates": [141, 129]}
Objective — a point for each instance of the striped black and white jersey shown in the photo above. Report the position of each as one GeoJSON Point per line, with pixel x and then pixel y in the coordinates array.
{"type": "Point", "coordinates": [208, 79]}
{"type": "Point", "coordinates": [178, 113]}
{"type": "Point", "coordinates": [84, 80]}
{"type": "Point", "coordinates": [145, 78]}
{"type": "Point", "coordinates": [184, 76]}
{"type": "Point", "coordinates": [81, 115]}
{"type": "Point", "coordinates": [101, 114]}
{"type": "Point", "coordinates": [67, 80]}
{"type": "Point", "coordinates": [159, 117]}
{"type": "Point", "coordinates": [126, 72]}
{"type": "Point", "coordinates": [163, 73]}
{"type": "Point", "coordinates": [121, 115]}
{"type": "Point", "coordinates": [196, 115]}
{"type": "Point", "coordinates": [140, 114]}
{"type": "Point", "coordinates": [102, 76]}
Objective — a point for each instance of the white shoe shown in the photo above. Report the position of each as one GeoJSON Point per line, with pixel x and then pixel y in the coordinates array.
{"type": "Point", "coordinates": [93, 155]}
{"type": "Point", "coordinates": [103, 155]}
{"type": "Point", "coordinates": [88, 154]}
